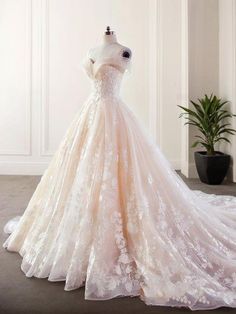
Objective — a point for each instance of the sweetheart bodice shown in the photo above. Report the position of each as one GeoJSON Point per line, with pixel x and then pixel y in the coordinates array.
{"type": "Point", "coordinates": [107, 82]}
{"type": "Point", "coordinates": [106, 75]}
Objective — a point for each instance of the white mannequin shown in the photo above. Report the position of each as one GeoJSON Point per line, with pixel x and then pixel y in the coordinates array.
{"type": "Point", "coordinates": [109, 38]}
{"type": "Point", "coordinates": [110, 47]}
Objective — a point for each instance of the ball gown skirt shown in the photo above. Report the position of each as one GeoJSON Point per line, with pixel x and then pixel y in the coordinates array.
{"type": "Point", "coordinates": [111, 214]}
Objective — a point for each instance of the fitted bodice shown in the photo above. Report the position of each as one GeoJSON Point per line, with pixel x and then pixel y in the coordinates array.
{"type": "Point", "coordinates": [106, 74]}
{"type": "Point", "coordinates": [107, 82]}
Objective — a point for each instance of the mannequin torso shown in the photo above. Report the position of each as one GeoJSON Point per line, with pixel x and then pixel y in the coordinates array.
{"type": "Point", "coordinates": [110, 45]}
{"type": "Point", "coordinates": [110, 52]}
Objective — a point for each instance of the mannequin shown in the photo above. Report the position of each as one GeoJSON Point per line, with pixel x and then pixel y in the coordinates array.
{"type": "Point", "coordinates": [109, 37]}
{"type": "Point", "coordinates": [110, 47]}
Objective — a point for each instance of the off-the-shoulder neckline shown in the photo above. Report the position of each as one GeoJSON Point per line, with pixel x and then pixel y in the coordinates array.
{"type": "Point", "coordinates": [99, 64]}
{"type": "Point", "coordinates": [123, 49]}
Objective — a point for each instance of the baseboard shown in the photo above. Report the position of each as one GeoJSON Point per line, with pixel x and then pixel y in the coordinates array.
{"type": "Point", "coordinates": [175, 163]}
{"type": "Point", "coordinates": [38, 168]}
{"type": "Point", "coordinates": [192, 170]}
{"type": "Point", "coordinates": [22, 168]}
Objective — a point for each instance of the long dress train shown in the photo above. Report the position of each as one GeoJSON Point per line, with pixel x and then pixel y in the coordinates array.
{"type": "Point", "coordinates": [111, 214]}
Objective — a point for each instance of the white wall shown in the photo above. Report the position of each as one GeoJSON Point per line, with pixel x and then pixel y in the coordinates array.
{"type": "Point", "coordinates": [175, 46]}
{"type": "Point", "coordinates": [164, 122]}
{"type": "Point", "coordinates": [42, 81]}
{"type": "Point", "coordinates": [212, 62]}
{"type": "Point", "coordinates": [203, 58]}
{"type": "Point", "coordinates": [44, 42]}
{"type": "Point", "coordinates": [227, 69]}
{"type": "Point", "coordinates": [15, 78]}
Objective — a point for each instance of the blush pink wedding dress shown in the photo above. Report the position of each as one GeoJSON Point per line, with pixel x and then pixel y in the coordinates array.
{"type": "Point", "coordinates": [111, 214]}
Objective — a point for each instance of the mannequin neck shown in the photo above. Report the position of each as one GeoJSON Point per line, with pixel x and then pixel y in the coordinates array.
{"type": "Point", "coordinates": [109, 39]}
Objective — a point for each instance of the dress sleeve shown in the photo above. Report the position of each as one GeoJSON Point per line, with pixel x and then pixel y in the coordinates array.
{"type": "Point", "coordinates": [126, 57]}
{"type": "Point", "coordinates": [117, 62]}
{"type": "Point", "coordinates": [88, 65]}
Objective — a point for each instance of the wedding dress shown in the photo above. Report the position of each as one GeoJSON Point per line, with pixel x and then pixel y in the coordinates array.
{"type": "Point", "coordinates": [111, 214]}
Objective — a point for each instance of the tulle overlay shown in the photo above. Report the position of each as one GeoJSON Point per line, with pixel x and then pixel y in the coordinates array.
{"type": "Point", "coordinates": [111, 214]}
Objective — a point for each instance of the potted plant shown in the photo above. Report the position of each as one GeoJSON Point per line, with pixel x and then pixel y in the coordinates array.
{"type": "Point", "coordinates": [212, 120]}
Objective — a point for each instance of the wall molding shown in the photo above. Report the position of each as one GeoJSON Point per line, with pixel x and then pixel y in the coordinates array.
{"type": "Point", "coordinates": [233, 101]}
{"type": "Point", "coordinates": [41, 85]}
{"type": "Point", "coordinates": [28, 83]}
{"type": "Point", "coordinates": [227, 69]}
{"type": "Point", "coordinates": [45, 79]}
{"type": "Point", "coordinates": [156, 102]}
{"type": "Point", "coordinates": [186, 168]}
{"type": "Point", "coordinates": [155, 76]}
{"type": "Point", "coordinates": [22, 168]}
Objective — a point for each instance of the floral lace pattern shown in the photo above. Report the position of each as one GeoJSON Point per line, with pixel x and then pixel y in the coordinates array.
{"type": "Point", "coordinates": [111, 214]}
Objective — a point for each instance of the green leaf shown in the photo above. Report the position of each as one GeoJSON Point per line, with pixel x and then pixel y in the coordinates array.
{"type": "Point", "coordinates": [210, 118]}
{"type": "Point", "coordinates": [195, 144]}
{"type": "Point", "coordinates": [223, 139]}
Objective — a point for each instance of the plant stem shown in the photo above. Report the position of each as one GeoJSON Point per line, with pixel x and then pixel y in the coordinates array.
{"type": "Point", "coordinates": [210, 152]}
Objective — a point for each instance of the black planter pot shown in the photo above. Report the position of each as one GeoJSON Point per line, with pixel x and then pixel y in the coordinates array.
{"type": "Point", "coordinates": [212, 169]}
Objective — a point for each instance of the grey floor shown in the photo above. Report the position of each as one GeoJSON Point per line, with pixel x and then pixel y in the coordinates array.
{"type": "Point", "coordinates": [19, 294]}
